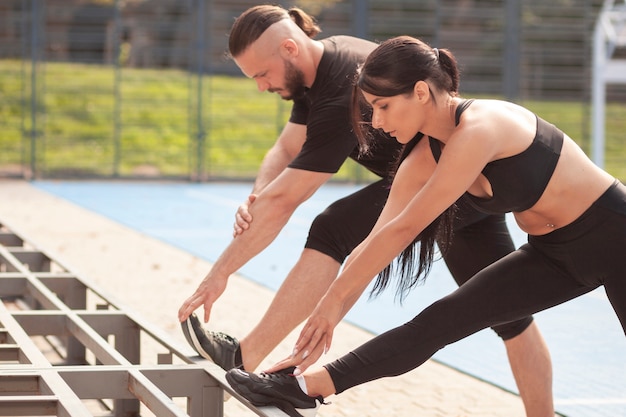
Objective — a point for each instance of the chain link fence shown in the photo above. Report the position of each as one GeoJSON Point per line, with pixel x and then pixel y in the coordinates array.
{"type": "Point", "coordinates": [143, 88]}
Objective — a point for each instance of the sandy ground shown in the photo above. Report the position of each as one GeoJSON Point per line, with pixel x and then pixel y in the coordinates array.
{"type": "Point", "coordinates": [153, 278]}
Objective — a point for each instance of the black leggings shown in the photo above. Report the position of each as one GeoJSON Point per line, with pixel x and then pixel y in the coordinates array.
{"type": "Point", "coordinates": [548, 271]}
{"type": "Point", "coordinates": [479, 239]}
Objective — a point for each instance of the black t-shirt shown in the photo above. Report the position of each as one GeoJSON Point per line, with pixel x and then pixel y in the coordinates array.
{"type": "Point", "coordinates": [325, 110]}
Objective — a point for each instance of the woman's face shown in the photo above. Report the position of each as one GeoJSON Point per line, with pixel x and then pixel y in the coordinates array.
{"type": "Point", "coordinates": [399, 116]}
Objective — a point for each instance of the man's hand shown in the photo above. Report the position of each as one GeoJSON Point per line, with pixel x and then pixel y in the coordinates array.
{"type": "Point", "coordinates": [209, 290]}
{"type": "Point", "coordinates": [243, 218]}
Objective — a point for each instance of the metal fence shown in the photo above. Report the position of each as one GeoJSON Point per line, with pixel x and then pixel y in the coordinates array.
{"type": "Point", "coordinates": [68, 350]}
{"type": "Point", "coordinates": [142, 88]}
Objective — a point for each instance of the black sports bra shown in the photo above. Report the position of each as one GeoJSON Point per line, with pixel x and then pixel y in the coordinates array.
{"type": "Point", "coordinates": [517, 181]}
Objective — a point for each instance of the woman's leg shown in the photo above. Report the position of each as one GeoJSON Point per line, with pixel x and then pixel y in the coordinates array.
{"type": "Point", "coordinates": [480, 240]}
{"type": "Point", "coordinates": [520, 284]}
{"type": "Point", "coordinates": [613, 235]}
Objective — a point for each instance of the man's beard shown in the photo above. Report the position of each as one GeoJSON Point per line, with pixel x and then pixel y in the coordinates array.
{"type": "Point", "coordinates": [294, 82]}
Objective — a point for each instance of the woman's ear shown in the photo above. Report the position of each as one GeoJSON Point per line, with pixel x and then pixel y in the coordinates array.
{"type": "Point", "coordinates": [421, 91]}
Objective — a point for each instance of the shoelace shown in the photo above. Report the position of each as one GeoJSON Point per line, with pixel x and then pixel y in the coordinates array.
{"type": "Point", "coordinates": [284, 372]}
{"type": "Point", "coordinates": [224, 337]}
{"type": "Point", "coordinates": [279, 375]}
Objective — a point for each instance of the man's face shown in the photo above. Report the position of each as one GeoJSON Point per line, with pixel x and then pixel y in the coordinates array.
{"type": "Point", "coordinates": [271, 72]}
{"type": "Point", "coordinates": [294, 82]}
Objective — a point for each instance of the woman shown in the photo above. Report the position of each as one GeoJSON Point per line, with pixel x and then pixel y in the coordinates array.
{"type": "Point", "coordinates": [501, 158]}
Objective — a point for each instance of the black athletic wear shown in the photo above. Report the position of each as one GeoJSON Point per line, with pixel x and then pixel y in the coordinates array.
{"type": "Point", "coordinates": [218, 347]}
{"type": "Point", "coordinates": [279, 389]}
{"type": "Point", "coordinates": [479, 240]}
{"type": "Point", "coordinates": [517, 182]}
{"type": "Point", "coordinates": [325, 110]}
{"type": "Point", "coordinates": [547, 271]}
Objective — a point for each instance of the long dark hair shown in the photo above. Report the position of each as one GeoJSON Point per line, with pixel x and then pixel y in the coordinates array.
{"type": "Point", "coordinates": [392, 69]}
{"type": "Point", "coordinates": [251, 24]}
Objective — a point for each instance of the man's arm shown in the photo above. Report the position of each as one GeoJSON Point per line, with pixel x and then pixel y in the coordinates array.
{"type": "Point", "coordinates": [287, 146]}
{"type": "Point", "coordinates": [275, 203]}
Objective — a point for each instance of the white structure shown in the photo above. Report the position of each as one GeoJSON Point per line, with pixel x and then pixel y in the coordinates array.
{"type": "Point", "coordinates": [609, 34]}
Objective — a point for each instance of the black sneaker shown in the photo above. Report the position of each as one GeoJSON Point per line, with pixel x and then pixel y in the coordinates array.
{"type": "Point", "coordinates": [279, 389]}
{"type": "Point", "coordinates": [218, 347]}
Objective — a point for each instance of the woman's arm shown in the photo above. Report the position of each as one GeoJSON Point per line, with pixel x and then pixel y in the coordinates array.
{"type": "Point", "coordinates": [409, 209]}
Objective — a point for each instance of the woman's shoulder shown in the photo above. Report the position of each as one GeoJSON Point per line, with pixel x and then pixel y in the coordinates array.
{"type": "Point", "coordinates": [489, 108]}
{"type": "Point", "coordinates": [492, 116]}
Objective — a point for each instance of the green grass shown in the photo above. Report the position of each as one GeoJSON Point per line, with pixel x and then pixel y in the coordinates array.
{"type": "Point", "coordinates": [155, 128]}
{"type": "Point", "coordinates": [574, 120]}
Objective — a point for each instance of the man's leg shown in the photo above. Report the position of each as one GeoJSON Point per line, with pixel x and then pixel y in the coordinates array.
{"type": "Point", "coordinates": [532, 368]}
{"type": "Point", "coordinates": [478, 242]}
{"type": "Point", "coordinates": [332, 237]}
{"type": "Point", "coordinates": [303, 287]}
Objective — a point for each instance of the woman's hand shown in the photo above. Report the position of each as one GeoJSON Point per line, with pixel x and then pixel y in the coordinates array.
{"type": "Point", "coordinates": [316, 337]}
{"type": "Point", "coordinates": [243, 218]}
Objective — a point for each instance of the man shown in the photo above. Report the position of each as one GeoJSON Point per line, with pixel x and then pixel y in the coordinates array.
{"type": "Point", "coordinates": [276, 47]}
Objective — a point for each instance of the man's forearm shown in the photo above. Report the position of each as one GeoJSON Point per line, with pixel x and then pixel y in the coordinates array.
{"type": "Point", "coordinates": [273, 165]}
{"type": "Point", "coordinates": [269, 219]}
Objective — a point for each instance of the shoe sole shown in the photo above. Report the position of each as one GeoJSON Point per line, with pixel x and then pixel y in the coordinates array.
{"type": "Point", "coordinates": [193, 340]}
{"type": "Point", "coordinates": [261, 400]}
